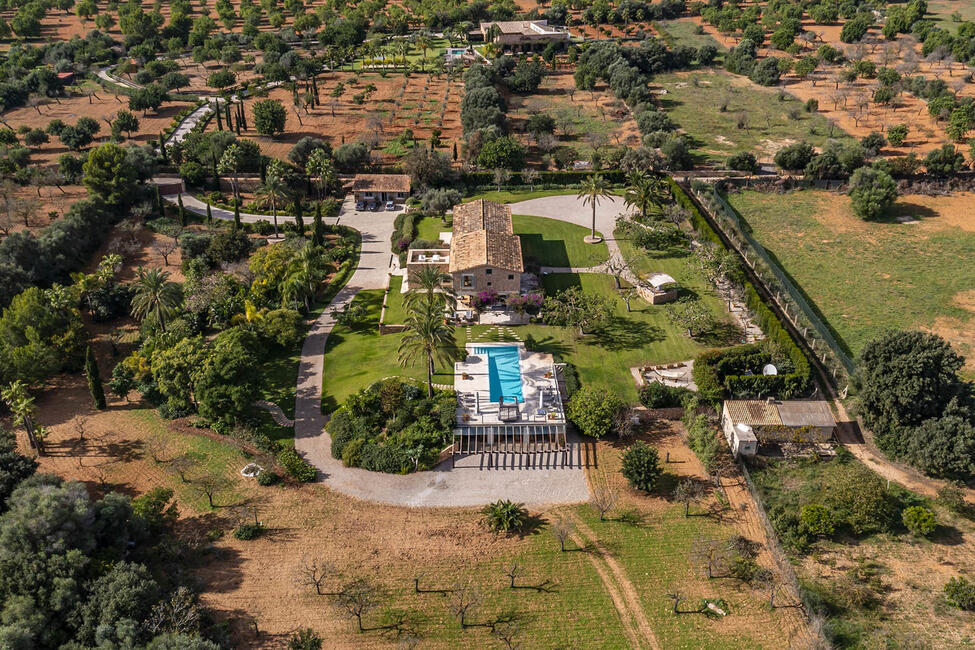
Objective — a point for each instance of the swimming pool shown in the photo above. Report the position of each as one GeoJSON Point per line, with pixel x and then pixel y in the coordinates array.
{"type": "Point", "coordinates": [504, 371]}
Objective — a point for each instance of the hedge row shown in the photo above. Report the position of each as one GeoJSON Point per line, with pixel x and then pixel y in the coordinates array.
{"type": "Point", "coordinates": [475, 180]}
{"type": "Point", "coordinates": [404, 230]}
{"type": "Point", "coordinates": [712, 384]}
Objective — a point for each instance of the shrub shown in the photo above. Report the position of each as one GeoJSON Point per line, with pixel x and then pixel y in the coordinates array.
{"type": "Point", "coordinates": [817, 520]}
{"type": "Point", "coordinates": [872, 192]}
{"type": "Point", "coordinates": [919, 520]}
{"type": "Point", "coordinates": [641, 466]}
{"type": "Point", "coordinates": [960, 593]}
{"type": "Point", "coordinates": [743, 161]}
{"type": "Point", "coordinates": [249, 531]}
{"type": "Point", "coordinates": [703, 439]}
{"type": "Point", "coordinates": [267, 477]}
{"type": "Point", "coordinates": [352, 452]}
{"type": "Point", "coordinates": [794, 157]}
{"type": "Point", "coordinates": [505, 516]}
{"type": "Point", "coordinates": [593, 411]}
{"type": "Point", "coordinates": [305, 639]}
{"type": "Point", "coordinates": [655, 395]}
{"type": "Point", "coordinates": [296, 466]}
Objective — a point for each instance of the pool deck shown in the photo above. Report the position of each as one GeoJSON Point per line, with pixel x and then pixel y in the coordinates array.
{"type": "Point", "coordinates": [538, 384]}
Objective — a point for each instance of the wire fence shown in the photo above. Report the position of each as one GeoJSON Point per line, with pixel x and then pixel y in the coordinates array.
{"type": "Point", "coordinates": [789, 298]}
{"type": "Point", "coordinates": [785, 566]}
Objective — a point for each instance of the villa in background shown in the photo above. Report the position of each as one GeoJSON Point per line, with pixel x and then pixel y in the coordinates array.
{"type": "Point", "coordinates": [520, 35]}
{"type": "Point", "coordinates": [379, 188]}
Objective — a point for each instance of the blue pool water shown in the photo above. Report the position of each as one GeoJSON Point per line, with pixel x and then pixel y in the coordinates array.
{"type": "Point", "coordinates": [504, 371]}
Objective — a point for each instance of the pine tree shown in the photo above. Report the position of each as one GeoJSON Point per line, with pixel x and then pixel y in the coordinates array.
{"type": "Point", "coordinates": [94, 380]}
{"type": "Point", "coordinates": [209, 215]}
{"type": "Point", "coordinates": [236, 216]}
{"type": "Point", "coordinates": [181, 211]}
{"type": "Point", "coordinates": [318, 229]}
{"type": "Point", "coordinates": [299, 222]}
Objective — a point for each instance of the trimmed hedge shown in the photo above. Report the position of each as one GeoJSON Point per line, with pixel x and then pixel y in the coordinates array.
{"type": "Point", "coordinates": [404, 229]}
{"type": "Point", "coordinates": [474, 180]}
{"type": "Point", "coordinates": [715, 371]}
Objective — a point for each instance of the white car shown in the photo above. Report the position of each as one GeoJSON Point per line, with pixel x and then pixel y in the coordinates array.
{"type": "Point", "coordinates": [390, 205]}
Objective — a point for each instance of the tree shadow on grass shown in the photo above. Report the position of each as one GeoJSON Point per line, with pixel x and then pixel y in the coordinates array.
{"type": "Point", "coordinates": [906, 209]}
{"type": "Point", "coordinates": [547, 252]}
{"type": "Point", "coordinates": [723, 334]}
{"type": "Point", "coordinates": [625, 334]}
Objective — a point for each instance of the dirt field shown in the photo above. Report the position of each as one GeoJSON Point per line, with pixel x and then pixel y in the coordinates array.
{"type": "Point", "coordinates": [592, 119]}
{"type": "Point", "coordinates": [421, 103]}
{"type": "Point", "coordinates": [102, 106]}
{"type": "Point", "coordinates": [850, 106]}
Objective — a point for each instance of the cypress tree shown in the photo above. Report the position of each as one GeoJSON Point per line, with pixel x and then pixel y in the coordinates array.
{"type": "Point", "coordinates": [160, 205]}
{"type": "Point", "coordinates": [243, 113]}
{"type": "Point", "coordinates": [226, 112]}
{"type": "Point", "coordinates": [318, 229]}
{"type": "Point", "coordinates": [236, 216]}
{"type": "Point", "coordinates": [209, 215]}
{"type": "Point", "coordinates": [299, 222]}
{"type": "Point", "coordinates": [94, 380]}
{"type": "Point", "coordinates": [219, 121]}
{"type": "Point", "coordinates": [181, 211]}
{"type": "Point", "coordinates": [455, 151]}
{"type": "Point", "coordinates": [162, 149]}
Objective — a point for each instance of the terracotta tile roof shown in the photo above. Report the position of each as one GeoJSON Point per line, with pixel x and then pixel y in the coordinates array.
{"type": "Point", "coordinates": [485, 248]}
{"type": "Point", "coordinates": [381, 183]}
{"type": "Point", "coordinates": [482, 215]}
{"type": "Point", "coordinates": [791, 413]}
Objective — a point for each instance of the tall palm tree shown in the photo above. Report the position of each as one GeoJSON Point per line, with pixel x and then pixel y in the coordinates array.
{"type": "Point", "coordinates": [643, 191]}
{"type": "Point", "coordinates": [154, 293]}
{"type": "Point", "coordinates": [427, 287]}
{"type": "Point", "coordinates": [592, 190]}
{"type": "Point", "coordinates": [423, 42]}
{"type": "Point", "coordinates": [274, 190]}
{"type": "Point", "coordinates": [427, 336]}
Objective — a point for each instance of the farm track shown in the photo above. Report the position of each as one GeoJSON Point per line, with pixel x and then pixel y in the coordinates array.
{"type": "Point", "coordinates": [618, 585]}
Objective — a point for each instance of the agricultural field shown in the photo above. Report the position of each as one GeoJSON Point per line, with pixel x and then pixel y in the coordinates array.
{"type": "Point", "coordinates": [254, 586]}
{"type": "Point", "coordinates": [723, 114]}
{"type": "Point", "coordinates": [865, 277]}
{"type": "Point", "coordinates": [368, 107]}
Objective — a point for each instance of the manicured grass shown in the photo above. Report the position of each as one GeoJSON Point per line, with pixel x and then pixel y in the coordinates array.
{"type": "Point", "coordinates": [357, 356]}
{"type": "Point", "coordinates": [429, 228]}
{"type": "Point", "coordinates": [395, 312]}
{"type": "Point", "coordinates": [865, 277]}
{"type": "Point", "coordinates": [685, 32]}
{"type": "Point", "coordinates": [550, 242]}
{"type": "Point", "coordinates": [940, 11]}
{"type": "Point", "coordinates": [604, 358]}
{"type": "Point", "coordinates": [715, 134]}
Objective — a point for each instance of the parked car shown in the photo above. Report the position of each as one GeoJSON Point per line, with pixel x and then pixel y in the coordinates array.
{"type": "Point", "coordinates": [369, 205]}
{"type": "Point", "coordinates": [376, 207]}
{"type": "Point", "coordinates": [360, 205]}
{"type": "Point", "coordinates": [390, 205]}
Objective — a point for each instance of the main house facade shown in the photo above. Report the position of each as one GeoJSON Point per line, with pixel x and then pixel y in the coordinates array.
{"type": "Point", "coordinates": [379, 188]}
{"type": "Point", "coordinates": [524, 35]}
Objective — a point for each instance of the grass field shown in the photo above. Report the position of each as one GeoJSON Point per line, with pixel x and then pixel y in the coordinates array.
{"type": "Point", "coordinates": [865, 277]}
{"type": "Point", "coordinates": [694, 101]}
{"type": "Point", "coordinates": [685, 32]}
{"type": "Point", "coordinates": [429, 228]}
{"type": "Point", "coordinates": [940, 11]}
{"type": "Point", "coordinates": [550, 242]}
{"type": "Point", "coordinates": [510, 196]}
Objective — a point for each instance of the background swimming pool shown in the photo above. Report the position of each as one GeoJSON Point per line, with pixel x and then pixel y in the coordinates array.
{"type": "Point", "coordinates": [504, 371]}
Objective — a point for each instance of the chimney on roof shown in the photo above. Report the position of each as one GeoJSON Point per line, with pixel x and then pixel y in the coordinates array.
{"type": "Point", "coordinates": [770, 400]}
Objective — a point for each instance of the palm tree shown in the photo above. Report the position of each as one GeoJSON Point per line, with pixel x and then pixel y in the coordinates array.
{"type": "Point", "coordinates": [643, 191]}
{"type": "Point", "coordinates": [428, 287]}
{"type": "Point", "coordinates": [593, 189]}
{"type": "Point", "coordinates": [319, 165]}
{"type": "Point", "coordinates": [427, 336]}
{"type": "Point", "coordinates": [154, 293]}
{"type": "Point", "coordinates": [306, 273]}
{"type": "Point", "coordinates": [423, 42]}
{"type": "Point", "coordinates": [274, 189]}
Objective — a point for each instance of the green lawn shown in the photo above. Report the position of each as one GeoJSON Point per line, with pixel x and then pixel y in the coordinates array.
{"type": "Point", "coordinates": [550, 242]}
{"type": "Point", "coordinates": [506, 196]}
{"type": "Point", "coordinates": [940, 11]}
{"type": "Point", "coordinates": [357, 356]}
{"type": "Point", "coordinates": [429, 228]}
{"type": "Point", "coordinates": [865, 277]}
{"type": "Point", "coordinates": [437, 48]}
{"type": "Point", "coordinates": [395, 313]}
{"type": "Point", "coordinates": [715, 134]}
